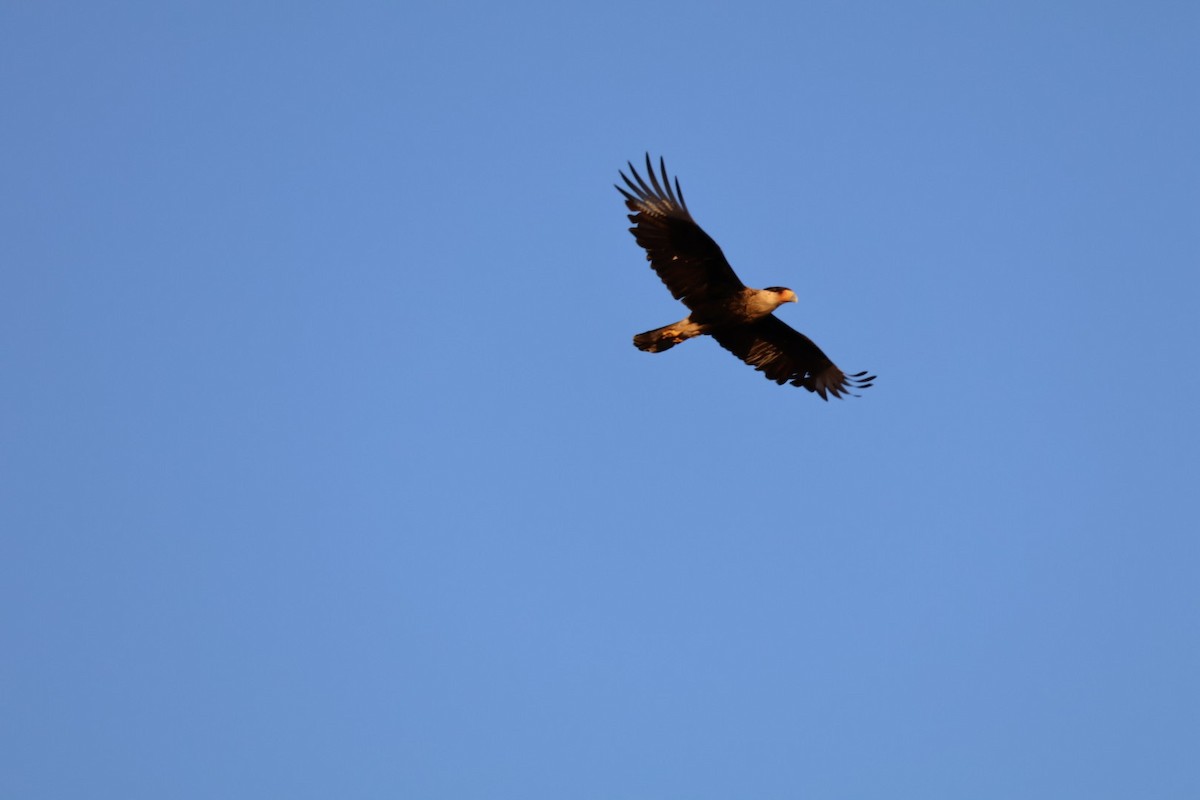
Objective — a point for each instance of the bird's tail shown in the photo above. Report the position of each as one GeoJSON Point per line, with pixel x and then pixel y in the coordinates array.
{"type": "Point", "coordinates": [666, 337]}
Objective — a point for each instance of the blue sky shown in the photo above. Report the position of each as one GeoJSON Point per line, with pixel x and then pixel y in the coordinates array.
{"type": "Point", "coordinates": [327, 468]}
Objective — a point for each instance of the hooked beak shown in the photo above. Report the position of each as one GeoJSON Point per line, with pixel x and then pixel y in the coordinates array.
{"type": "Point", "coordinates": [789, 296]}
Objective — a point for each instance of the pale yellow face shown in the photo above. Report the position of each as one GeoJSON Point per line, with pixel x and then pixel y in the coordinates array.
{"type": "Point", "coordinates": [788, 296]}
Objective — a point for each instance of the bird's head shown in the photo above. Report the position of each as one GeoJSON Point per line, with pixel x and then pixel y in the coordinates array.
{"type": "Point", "coordinates": [785, 295]}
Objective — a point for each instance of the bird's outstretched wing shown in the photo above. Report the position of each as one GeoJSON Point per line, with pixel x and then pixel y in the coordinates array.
{"type": "Point", "coordinates": [785, 355]}
{"type": "Point", "coordinates": [686, 258]}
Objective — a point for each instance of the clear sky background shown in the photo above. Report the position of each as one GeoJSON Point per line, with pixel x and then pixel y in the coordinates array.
{"type": "Point", "coordinates": [328, 468]}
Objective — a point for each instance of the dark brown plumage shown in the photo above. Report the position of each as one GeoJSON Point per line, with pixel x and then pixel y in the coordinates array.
{"type": "Point", "coordinates": [695, 271]}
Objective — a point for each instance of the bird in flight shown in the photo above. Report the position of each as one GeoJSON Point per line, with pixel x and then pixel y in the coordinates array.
{"type": "Point", "coordinates": [695, 271]}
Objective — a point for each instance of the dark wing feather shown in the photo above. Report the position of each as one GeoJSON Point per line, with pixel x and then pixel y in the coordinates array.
{"type": "Point", "coordinates": [785, 355]}
{"type": "Point", "coordinates": [686, 258]}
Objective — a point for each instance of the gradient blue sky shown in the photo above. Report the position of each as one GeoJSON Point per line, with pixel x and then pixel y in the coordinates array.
{"type": "Point", "coordinates": [328, 470]}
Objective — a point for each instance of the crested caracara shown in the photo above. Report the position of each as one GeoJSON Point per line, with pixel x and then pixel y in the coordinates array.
{"type": "Point", "coordinates": [693, 268]}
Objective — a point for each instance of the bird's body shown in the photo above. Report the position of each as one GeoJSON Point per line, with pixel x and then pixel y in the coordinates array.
{"type": "Point", "coordinates": [736, 308]}
{"type": "Point", "coordinates": [741, 319]}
